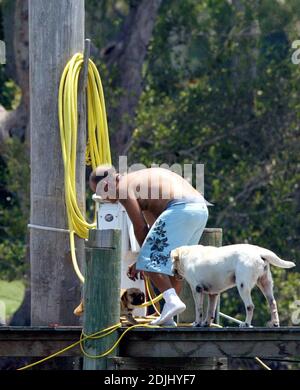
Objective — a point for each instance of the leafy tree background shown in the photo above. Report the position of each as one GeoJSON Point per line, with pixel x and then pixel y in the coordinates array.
{"type": "Point", "coordinates": [219, 88]}
{"type": "Point", "coordinates": [14, 186]}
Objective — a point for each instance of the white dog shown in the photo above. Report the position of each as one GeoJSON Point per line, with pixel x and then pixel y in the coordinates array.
{"type": "Point", "coordinates": [210, 270]}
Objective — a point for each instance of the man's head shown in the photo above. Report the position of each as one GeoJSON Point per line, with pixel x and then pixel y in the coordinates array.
{"type": "Point", "coordinates": [99, 174]}
{"type": "Point", "coordinates": [107, 177]}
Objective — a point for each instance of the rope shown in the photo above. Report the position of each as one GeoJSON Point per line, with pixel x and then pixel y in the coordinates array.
{"type": "Point", "coordinates": [83, 337]}
{"type": "Point", "coordinates": [48, 228]}
{"type": "Point", "coordinates": [152, 300]}
{"type": "Point", "coordinates": [262, 364]}
{"type": "Point", "coordinates": [98, 148]}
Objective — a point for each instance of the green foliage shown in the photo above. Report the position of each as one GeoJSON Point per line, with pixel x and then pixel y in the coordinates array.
{"type": "Point", "coordinates": [14, 187]}
{"type": "Point", "coordinates": [14, 209]}
{"type": "Point", "coordinates": [10, 94]}
{"type": "Point", "coordinates": [11, 294]}
{"type": "Point", "coordinates": [104, 19]}
{"type": "Point", "coordinates": [220, 89]}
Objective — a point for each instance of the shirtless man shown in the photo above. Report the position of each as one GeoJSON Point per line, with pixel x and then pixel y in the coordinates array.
{"type": "Point", "coordinates": [166, 212]}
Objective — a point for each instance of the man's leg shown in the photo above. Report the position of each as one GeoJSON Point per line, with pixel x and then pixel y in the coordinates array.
{"type": "Point", "coordinates": [164, 282]}
{"type": "Point", "coordinates": [161, 281]}
{"type": "Point", "coordinates": [173, 304]}
{"type": "Point", "coordinates": [177, 284]}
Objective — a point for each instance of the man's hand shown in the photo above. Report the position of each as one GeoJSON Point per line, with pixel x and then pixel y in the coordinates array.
{"type": "Point", "coordinates": [132, 273]}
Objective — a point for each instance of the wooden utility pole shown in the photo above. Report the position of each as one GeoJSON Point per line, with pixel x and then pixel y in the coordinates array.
{"type": "Point", "coordinates": [101, 293]}
{"type": "Point", "coordinates": [56, 32]}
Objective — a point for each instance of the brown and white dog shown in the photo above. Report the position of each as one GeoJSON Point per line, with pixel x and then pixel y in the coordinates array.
{"type": "Point", "coordinates": [130, 298]}
{"type": "Point", "coordinates": [210, 270]}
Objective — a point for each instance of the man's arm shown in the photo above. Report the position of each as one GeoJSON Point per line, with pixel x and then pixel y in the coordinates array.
{"type": "Point", "coordinates": [149, 217]}
{"type": "Point", "coordinates": [136, 216]}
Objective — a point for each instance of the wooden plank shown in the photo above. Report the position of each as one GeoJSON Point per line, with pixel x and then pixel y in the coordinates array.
{"type": "Point", "coordinates": [177, 363]}
{"type": "Point", "coordinates": [190, 342]}
{"type": "Point", "coordinates": [56, 32]}
{"type": "Point", "coordinates": [38, 341]}
{"type": "Point", "coordinates": [101, 293]}
{"type": "Point", "coordinates": [143, 343]}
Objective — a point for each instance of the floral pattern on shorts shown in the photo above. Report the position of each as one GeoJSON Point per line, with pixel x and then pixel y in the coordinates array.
{"type": "Point", "coordinates": [158, 242]}
{"type": "Point", "coordinates": [180, 224]}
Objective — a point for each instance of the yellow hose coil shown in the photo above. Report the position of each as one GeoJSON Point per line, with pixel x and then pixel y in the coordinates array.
{"type": "Point", "coordinates": [98, 148]}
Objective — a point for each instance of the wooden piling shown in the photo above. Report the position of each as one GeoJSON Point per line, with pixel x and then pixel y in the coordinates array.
{"type": "Point", "coordinates": [56, 33]}
{"type": "Point", "coordinates": [101, 293]}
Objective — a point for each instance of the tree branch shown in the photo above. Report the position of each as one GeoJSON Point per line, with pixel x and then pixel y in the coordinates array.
{"type": "Point", "coordinates": [252, 185]}
{"type": "Point", "coordinates": [127, 54]}
{"type": "Point", "coordinates": [16, 36]}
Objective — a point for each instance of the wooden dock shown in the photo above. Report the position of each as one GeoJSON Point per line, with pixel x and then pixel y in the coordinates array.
{"type": "Point", "coordinates": [34, 341]}
{"type": "Point", "coordinates": [181, 342]}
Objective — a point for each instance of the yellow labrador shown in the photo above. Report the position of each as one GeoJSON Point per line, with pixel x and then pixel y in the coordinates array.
{"type": "Point", "coordinates": [210, 270]}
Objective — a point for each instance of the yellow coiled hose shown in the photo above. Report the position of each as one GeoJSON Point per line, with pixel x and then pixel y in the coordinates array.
{"type": "Point", "coordinates": [98, 148]}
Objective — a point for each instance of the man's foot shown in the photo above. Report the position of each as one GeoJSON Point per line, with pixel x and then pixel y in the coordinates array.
{"type": "Point", "coordinates": [170, 323]}
{"type": "Point", "coordinates": [169, 311]}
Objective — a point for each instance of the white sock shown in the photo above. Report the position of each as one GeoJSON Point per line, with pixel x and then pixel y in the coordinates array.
{"type": "Point", "coordinates": [170, 322]}
{"type": "Point", "coordinates": [173, 306]}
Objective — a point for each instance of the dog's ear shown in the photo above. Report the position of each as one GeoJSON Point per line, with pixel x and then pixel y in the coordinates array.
{"type": "Point", "coordinates": [124, 297]}
{"type": "Point", "coordinates": [78, 311]}
{"type": "Point", "coordinates": [175, 254]}
{"type": "Point", "coordinates": [176, 263]}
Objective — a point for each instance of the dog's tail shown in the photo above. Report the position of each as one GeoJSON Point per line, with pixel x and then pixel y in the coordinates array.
{"type": "Point", "coordinates": [273, 259]}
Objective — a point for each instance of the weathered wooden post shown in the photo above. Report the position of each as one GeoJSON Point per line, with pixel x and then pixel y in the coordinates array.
{"type": "Point", "coordinates": [212, 237]}
{"type": "Point", "coordinates": [101, 293]}
{"type": "Point", "coordinates": [56, 32]}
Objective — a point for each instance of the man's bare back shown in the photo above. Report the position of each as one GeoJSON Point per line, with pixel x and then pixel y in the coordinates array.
{"type": "Point", "coordinates": [154, 188]}
{"type": "Point", "coordinates": [144, 193]}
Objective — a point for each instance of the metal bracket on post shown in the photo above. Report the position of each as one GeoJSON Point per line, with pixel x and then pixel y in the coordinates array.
{"type": "Point", "coordinates": [82, 84]}
{"type": "Point", "coordinates": [83, 77]}
{"type": "Point", "coordinates": [81, 106]}
{"type": "Point", "coordinates": [81, 143]}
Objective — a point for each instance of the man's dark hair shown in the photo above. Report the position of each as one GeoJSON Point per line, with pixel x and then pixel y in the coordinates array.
{"type": "Point", "coordinates": [96, 178]}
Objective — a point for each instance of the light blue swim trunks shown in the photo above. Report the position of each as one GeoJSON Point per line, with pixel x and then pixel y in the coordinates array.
{"type": "Point", "coordinates": [181, 223]}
